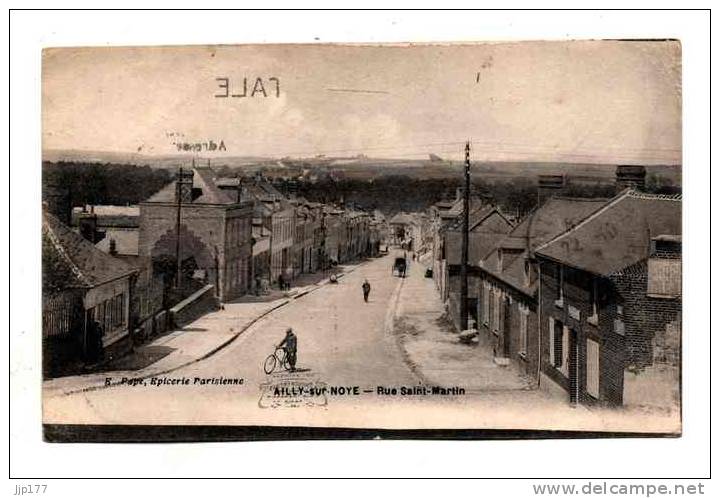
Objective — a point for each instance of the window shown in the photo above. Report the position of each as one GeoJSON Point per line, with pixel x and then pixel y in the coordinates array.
{"type": "Point", "coordinates": [523, 311]}
{"type": "Point", "coordinates": [486, 303]}
{"type": "Point", "coordinates": [556, 343]}
{"type": "Point", "coordinates": [551, 337]}
{"type": "Point", "coordinates": [592, 376]}
{"type": "Point", "coordinates": [526, 273]}
{"type": "Point", "coordinates": [593, 318]}
{"type": "Point", "coordinates": [496, 309]}
{"type": "Point", "coordinates": [564, 366]}
{"type": "Point", "coordinates": [108, 315]}
{"type": "Point", "coordinates": [558, 333]}
{"type": "Point", "coordinates": [559, 291]}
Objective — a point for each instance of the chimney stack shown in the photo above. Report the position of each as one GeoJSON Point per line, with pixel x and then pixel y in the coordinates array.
{"type": "Point", "coordinates": [87, 225]}
{"type": "Point", "coordinates": [548, 186]}
{"type": "Point", "coordinates": [113, 247]}
{"type": "Point", "coordinates": [629, 176]}
{"type": "Point", "coordinates": [184, 186]}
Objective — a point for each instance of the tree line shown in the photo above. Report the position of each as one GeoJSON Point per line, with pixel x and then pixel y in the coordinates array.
{"type": "Point", "coordinates": [105, 183]}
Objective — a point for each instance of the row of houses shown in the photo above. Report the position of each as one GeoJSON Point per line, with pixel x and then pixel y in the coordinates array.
{"type": "Point", "coordinates": [582, 295]}
{"type": "Point", "coordinates": [231, 237]}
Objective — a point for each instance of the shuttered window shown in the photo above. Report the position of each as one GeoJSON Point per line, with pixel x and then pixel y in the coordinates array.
{"type": "Point", "coordinates": [523, 313]}
{"type": "Point", "coordinates": [551, 335]}
{"type": "Point", "coordinates": [592, 380]}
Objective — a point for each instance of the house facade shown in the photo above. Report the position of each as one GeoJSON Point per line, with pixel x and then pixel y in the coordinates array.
{"type": "Point", "coordinates": [508, 283]}
{"type": "Point", "coordinates": [209, 228]}
{"type": "Point", "coordinates": [610, 304]}
{"type": "Point", "coordinates": [81, 284]}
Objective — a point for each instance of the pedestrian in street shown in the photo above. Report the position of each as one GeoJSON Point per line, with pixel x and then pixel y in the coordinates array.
{"type": "Point", "coordinates": [289, 343]}
{"type": "Point", "coordinates": [366, 290]}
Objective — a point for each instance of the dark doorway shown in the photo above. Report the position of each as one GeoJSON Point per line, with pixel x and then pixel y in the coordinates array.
{"type": "Point", "coordinates": [507, 314]}
{"type": "Point", "coordinates": [573, 366]}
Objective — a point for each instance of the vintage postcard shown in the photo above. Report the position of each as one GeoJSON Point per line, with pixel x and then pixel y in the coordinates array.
{"type": "Point", "coordinates": [459, 236]}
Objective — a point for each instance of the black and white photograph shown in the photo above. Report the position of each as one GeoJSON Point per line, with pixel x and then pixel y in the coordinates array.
{"type": "Point", "coordinates": [476, 235]}
{"type": "Point", "coordinates": [359, 244]}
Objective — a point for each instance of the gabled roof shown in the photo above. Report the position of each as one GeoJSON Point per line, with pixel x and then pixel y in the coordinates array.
{"type": "Point", "coordinates": [618, 234]}
{"type": "Point", "coordinates": [204, 180]}
{"type": "Point", "coordinates": [489, 229]}
{"type": "Point", "coordinates": [126, 242]}
{"type": "Point", "coordinates": [554, 217]}
{"type": "Point", "coordinates": [478, 215]}
{"type": "Point", "coordinates": [75, 256]}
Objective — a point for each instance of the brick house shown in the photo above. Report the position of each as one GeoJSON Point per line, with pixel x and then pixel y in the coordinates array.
{"type": "Point", "coordinates": [507, 287]}
{"type": "Point", "coordinates": [214, 236]}
{"type": "Point", "coordinates": [610, 304]}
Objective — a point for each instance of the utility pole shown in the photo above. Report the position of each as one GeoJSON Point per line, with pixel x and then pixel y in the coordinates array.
{"type": "Point", "coordinates": [465, 244]}
{"type": "Point", "coordinates": [179, 194]}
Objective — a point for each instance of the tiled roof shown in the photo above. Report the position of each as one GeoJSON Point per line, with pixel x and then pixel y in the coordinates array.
{"type": "Point", "coordinates": [618, 234]}
{"type": "Point", "coordinates": [485, 233]}
{"type": "Point", "coordinates": [126, 242]}
{"type": "Point", "coordinates": [555, 216]}
{"type": "Point", "coordinates": [478, 214]}
{"type": "Point", "coordinates": [87, 264]}
{"type": "Point", "coordinates": [204, 180]}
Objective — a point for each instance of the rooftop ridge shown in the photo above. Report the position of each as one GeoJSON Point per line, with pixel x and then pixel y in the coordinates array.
{"type": "Point", "coordinates": [629, 192]}
{"type": "Point", "coordinates": [61, 250]}
{"type": "Point", "coordinates": [622, 195]}
{"type": "Point", "coordinates": [661, 197]}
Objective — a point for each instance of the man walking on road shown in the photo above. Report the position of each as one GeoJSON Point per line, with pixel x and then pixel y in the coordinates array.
{"type": "Point", "coordinates": [366, 290]}
{"type": "Point", "coordinates": [290, 345]}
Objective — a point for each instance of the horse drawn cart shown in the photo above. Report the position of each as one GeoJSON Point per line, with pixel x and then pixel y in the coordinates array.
{"type": "Point", "coordinates": [399, 267]}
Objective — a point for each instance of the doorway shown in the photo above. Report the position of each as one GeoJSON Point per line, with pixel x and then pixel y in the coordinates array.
{"type": "Point", "coordinates": [573, 367]}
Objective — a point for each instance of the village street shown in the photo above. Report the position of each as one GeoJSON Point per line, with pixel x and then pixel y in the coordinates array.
{"type": "Point", "coordinates": [347, 350]}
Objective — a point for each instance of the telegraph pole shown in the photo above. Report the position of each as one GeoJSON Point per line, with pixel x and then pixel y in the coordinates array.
{"type": "Point", "coordinates": [465, 244]}
{"type": "Point", "coordinates": [178, 188]}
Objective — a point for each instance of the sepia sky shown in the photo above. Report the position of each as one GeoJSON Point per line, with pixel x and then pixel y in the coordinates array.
{"type": "Point", "coordinates": [593, 101]}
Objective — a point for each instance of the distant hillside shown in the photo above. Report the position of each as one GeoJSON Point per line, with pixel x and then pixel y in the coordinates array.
{"type": "Point", "coordinates": [362, 167]}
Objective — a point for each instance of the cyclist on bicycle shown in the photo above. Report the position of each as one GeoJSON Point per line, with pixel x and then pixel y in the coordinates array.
{"type": "Point", "coordinates": [289, 343]}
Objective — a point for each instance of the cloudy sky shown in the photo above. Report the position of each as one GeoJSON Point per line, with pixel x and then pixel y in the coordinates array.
{"type": "Point", "coordinates": [594, 101]}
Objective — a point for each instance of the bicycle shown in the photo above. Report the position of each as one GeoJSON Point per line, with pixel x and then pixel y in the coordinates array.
{"type": "Point", "coordinates": [278, 357]}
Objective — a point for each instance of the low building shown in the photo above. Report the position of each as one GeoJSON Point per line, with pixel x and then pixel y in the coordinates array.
{"type": "Point", "coordinates": [610, 304]}
{"type": "Point", "coordinates": [81, 285]}
{"type": "Point", "coordinates": [487, 226]}
{"type": "Point", "coordinates": [508, 283]}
